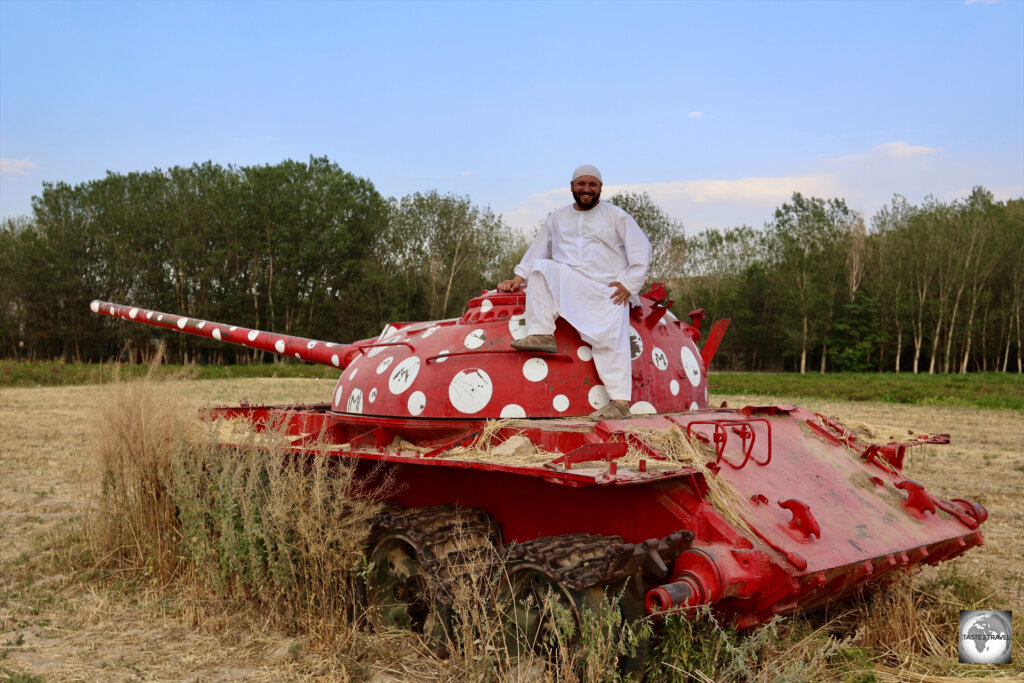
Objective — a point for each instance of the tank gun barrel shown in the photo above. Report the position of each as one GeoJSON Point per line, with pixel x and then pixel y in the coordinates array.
{"type": "Point", "coordinates": [312, 350]}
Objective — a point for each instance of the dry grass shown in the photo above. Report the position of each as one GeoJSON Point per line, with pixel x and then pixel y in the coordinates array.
{"type": "Point", "coordinates": [136, 434]}
{"type": "Point", "coordinates": [694, 453]}
{"type": "Point", "coordinates": [62, 618]}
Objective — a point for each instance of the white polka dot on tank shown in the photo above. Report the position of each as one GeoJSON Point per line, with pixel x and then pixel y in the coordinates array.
{"type": "Point", "coordinates": [585, 353]}
{"type": "Point", "coordinates": [132, 313]}
{"type": "Point", "coordinates": [377, 349]}
{"type": "Point", "coordinates": [475, 339]}
{"type": "Point", "coordinates": [279, 345]}
{"type": "Point", "coordinates": [513, 410]}
{"type": "Point", "coordinates": [517, 326]}
{"type": "Point", "coordinates": [404, 375]}
{"type": "Point", "coordinates": [384, 364]}
{"type": "Point", "coordinates": [470, 391]}
{"type": "Point", "coordinates": [486, 305]}
{"type": "Point", "coordinates": [149, 315]}
{"type": "Point", "coordinates": [113, 310]}
{"type": "Point", "coordinates": [201, 325]}
{"type": "Point", "coordinates": [560, 403]}
{"type": "Point", "coordinates": [693, 406]}
{"type": "Point", "coordinates": [388, 329]}
{"type": "Point", "coordinates": [429, 331]}
{"type": "Point", "coordinates": [310, 345]}
{"type": "Point", "coordinates": [535, 369]}
{"type": "Point", "coordinates": [642, 408]}
{"type": "Point", "coordinates": [691, 366]}
{"type": "Point", "coordinates": [636, 344]}
{"type": "Point", "coordinates": [373, 394]}
{"type": "Point", "coordinates": [216, 333]}
{"type": "Point", "coordinates": [329, 345]}
{"type": "Point", "coordinates": [355, 401]}
{"type": "Point", "coordinates": [352, 374]}
{"type": "Point", "coordinates": [417, 402]}
{"type": "Point", "coordinates": [297, 355]}
{"type": "Point", "coordinates": [442, 353]}
{"type": "Point", "coordinates": [335, 360]}
{"type": "Point", "coordinates": [94, 307]}
{"type": "Point", "coordinates": [159, 318]}
{"type": "Point", "coordinates": [659, 358]}
{"type": "Point", "coordinates": [232, 328]}
{"type": "Point", "coordinates": [598, 396]}
{"type": "Point", "coordinates": [252, 335]}
{"type": "Point", "coordinates": [674, 387]}
{"type": "Point", "coordinates": [337, 395]}
{"type": "Point", "coordinates": [182, 322]}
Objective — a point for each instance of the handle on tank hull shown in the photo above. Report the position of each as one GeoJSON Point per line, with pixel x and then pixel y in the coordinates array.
{"type": "Point", "coordinates": [312, 350]}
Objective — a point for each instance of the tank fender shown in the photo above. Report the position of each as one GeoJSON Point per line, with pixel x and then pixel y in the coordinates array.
{"type": "Point", "coordinates": [704, 575]}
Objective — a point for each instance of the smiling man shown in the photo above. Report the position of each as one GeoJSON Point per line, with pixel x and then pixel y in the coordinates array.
{"type": "Point", "coordinates": [586, 265]}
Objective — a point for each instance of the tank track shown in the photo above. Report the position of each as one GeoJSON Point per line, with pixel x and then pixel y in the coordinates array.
{"type": "Point", "coordinates": [453, 543]}
{"type": "Point", "coordinates": [581, 561]}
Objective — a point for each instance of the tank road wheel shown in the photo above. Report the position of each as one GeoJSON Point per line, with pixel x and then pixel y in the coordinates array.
{"type": "Point", "coordinates": [420, 557]}
{"type": "Point", "coordinates": [396, 586]}
{"type": "Point", "coordinates": [537, 613]}
{"type": "Point", "coordinates": [554, 584]}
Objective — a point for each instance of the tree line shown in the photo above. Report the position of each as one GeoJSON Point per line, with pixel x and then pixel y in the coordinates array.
{"type": "Point", "coordinates": [308, 249]}
{"type": "Point", "coordinates": [935, 288]}
{"type": "Point", "coordinates": [303, 248]}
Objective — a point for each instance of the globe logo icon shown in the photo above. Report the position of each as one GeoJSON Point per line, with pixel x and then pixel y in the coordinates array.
{"type": "Point", "coordinates": [984, 637]}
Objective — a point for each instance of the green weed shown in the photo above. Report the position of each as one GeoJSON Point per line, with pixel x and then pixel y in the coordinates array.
{"type": "Point", "coordinates": [987, 390]}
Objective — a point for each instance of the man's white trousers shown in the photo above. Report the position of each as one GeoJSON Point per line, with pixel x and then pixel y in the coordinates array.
{"type": "Point", "coordinates": [555, 289]}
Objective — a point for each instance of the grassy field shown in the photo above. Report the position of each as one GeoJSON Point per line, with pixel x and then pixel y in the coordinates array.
{"type": "Point", "coordinates": [82, 600]}
{"type": "Point", "coordinates": [992, 390]}
{"type": "Point", "coordinates": [54, 373]}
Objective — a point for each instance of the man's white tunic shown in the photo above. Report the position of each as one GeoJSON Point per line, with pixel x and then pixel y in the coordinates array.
{"type": "Point", "coordinates": [568, 268]}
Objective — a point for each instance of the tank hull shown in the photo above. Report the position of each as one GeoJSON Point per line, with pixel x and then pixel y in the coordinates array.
{"type": "Point", "coordinates": [824, 516]}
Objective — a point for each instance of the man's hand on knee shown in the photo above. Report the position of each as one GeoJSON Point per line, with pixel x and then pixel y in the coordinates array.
{"type": "Point", "coordinates": [510, 285]}
{"type": "Point", "coordinates": [621, 294]}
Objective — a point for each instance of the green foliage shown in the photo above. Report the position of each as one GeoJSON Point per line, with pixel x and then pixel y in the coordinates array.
{"type": "Point", "coordinates": [302, 248]}
{"type": "Point", "coordinates": [983, 390]}
{"type": "Point", "coordinates": [668, 241]}
{"type": "Point", "coordinates": [856, 335]}
{"type": "Point", "coordinates": [56, 373]}
{"type": "Point", "coordinates": [278, 529]}
{"type": "Point", "coordinates": [700, 648]}
{"type": "Point", "coordinates": [308, 249]}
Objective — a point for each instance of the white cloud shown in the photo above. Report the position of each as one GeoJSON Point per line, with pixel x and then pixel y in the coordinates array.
{"type": "Point", "coordinates": [866, 180]}
{"type": "Point", "coordinates": [700, 204]}
{"type": "Point", "coordinates": [886, 151]}
{"type": "Point", "coordinates": [742, 190]}
{"type": "Point", "coordinates": [19, 167]}
{"type": "Point", "coordinates": [696, 114]}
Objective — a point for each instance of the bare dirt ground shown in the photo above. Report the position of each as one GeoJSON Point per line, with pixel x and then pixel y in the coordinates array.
{"type": "Point", "coordinates": [58, 626]}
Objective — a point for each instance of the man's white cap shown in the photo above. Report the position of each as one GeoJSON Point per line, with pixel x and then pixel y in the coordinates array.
{"type": "Point", "coordinates": [587, 169]}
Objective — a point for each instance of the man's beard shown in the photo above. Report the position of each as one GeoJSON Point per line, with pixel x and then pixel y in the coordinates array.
{"type": "Point", "coordinates": [593, 201]}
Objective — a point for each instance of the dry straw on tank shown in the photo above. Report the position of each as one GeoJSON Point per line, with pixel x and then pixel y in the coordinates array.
{"type": "Point", "coordinates": [683, 450]}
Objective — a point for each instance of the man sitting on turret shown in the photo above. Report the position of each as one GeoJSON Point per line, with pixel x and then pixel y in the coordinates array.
{"type": "Point", "coordinates": [581, 251]}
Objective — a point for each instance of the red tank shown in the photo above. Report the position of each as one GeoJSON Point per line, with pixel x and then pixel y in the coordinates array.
{"type": "Point", "coordinates": [817, 514]}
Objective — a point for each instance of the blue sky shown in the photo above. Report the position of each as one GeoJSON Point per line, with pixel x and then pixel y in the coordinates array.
{"type": "Point", "coordinates": [719, 110]}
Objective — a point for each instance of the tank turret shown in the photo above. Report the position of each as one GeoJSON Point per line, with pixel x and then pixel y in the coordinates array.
{"type": "Point", "coordinates": [464, 367]}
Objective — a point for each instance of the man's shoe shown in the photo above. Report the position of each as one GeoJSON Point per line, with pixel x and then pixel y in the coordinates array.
{"type": "Point", "coordinates": [614, 409]}
{"type": "Point", "coordinates": [536, 343]}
